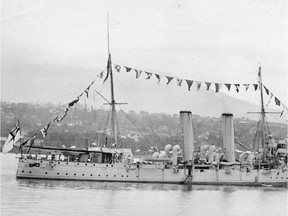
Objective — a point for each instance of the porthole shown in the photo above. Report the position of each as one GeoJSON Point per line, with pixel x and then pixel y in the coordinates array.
{"type": "Point", "coordinates": [57, 173]}
{"type": "Point", "coordinates": [91, 175]}
{"type": "Point", "coordinates": [30, 172]}
{"type": "Point", "coordinates": [127, 175]}
{"type": "Point", "coordinates": [58, 162]}
{"type": "Point", "coordinates": [66, 173]}
{"type": "Point", "coordinates": [93, 164]}
{"type": "Point", "coordinates": [122, 176]}
{"type": "Point", "coordinates": [99, 175]}
{"type": "Point", "coordinates": [74, 174]}
{"type": "Point", "coordinates": [114, 175]}
{"type": "Point", "coordinates": [106, 165]}
{"type": "Point", "coordinates": [40, 161]}
{"type": "Point", "coordinates": [77, 163]}
{"type": "Point", "coordinates": [106, 175]}
{"type": "Point", "coordinates": [46, 173]}
{"type": "Point", "coordinates": [82, 174]}
{"type": "Point", "coordinates": [22, 171]}
{"type": "Point", "coordinates": [67, 163]}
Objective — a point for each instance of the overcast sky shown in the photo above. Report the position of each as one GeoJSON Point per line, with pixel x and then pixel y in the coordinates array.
{"type": "Point", "coordinates": [50, 50]}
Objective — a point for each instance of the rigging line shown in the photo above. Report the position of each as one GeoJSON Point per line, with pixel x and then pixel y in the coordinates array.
{"type": "Point", "coordinates": [124, 87]}
{"type": "Point", "coordinates": [126, 116]}
{"type": "Point", "coordinates": [103, 97]}
{"type": "Point", "coordinates": [135, 126]}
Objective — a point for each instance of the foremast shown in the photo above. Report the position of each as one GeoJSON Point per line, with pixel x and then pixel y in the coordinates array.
{"type": "Point", "coordinates": [112, 102]}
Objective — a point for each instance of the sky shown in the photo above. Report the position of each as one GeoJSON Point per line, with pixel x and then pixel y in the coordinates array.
{"type": "Point", "coordinates": [52, 49]}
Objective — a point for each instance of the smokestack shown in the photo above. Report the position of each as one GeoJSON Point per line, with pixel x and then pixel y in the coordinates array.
{"type": "Point", "coordinates": [228, 137]}
{"type": "Point", "coordinates": [187, 129]}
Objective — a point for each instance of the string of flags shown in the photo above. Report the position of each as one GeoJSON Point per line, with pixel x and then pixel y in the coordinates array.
{"type": "Point", "coordinates": [180, 82]}
{"type": "Point", "coordinates": [277, 101]}
{"type": "Point", "coordinates": [44, 130]}
{"type": "Point", "coordinates": [199, 84]}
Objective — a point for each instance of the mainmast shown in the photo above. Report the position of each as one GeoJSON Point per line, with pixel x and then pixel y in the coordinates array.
{"type": "Point", "coordinates": [259, 141]}
{"type": "Point", "coordinates": [112, 103]}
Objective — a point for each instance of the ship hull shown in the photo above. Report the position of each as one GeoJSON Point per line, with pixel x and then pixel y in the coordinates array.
{"type": "Point", "coordinates": [119, 172]}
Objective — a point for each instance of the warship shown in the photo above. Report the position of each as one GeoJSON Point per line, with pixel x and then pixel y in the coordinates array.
{"type": "Point", "coordinates": [265, 166]}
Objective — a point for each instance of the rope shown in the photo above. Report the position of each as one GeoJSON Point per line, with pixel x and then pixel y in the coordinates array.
{"type": "Point", "coordinates": [136, 127]}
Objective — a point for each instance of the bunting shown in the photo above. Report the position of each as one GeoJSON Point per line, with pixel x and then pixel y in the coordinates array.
{"type": "Point", "coordinates": [87, 90]}
{"type": "Point", "coordinates": [217, 87]}
{"type": "Point", "coordinates": [179, 82]}
{"type": "Point", "coordinates": [73, 102]}
{"type": "Point", "coordinates": [277, 101]}
{"type": "Point", "coordinates": [149, 75]}
{"type": "Point", "coordinates": [44, 130]}
{"type": "Point", "coordinates": [107, 76]}
{"type": "Point", "coordinates": [198, 85]}
{"type": "Point", "coordinates": [228, 86]}
{"type": "Point", "coordinates": [266, 90]}
{"type": "Point", "coordinates": [237, 87]}
{"type": "Point", "coordinates": [158, 77]}
{"type": "Point", "coordinates": [128, 69]}
{"type": "Point", "coordinates": [246, 86]}
{"type": "Point", "coordinates": [189, 83]}
{"type": "Point", "coordinates": [168, 79]}
{"type": "Point", "coordinates": [101, 75]}
{"type": "Point", "coordinates": [56, 119]}
{"type": "Point", "coordinates": [117, 67]}
{"type": "Point", "coordinates": [208, 84]}
{"type": "Point", "coordinates": [65, 114]}
{"type": "Point", "coordinates": [138, 73]}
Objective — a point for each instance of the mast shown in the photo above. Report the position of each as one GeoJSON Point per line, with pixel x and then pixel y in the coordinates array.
{"type": "Point", "coordinates": [262, 124]}
{"type": "Point", "coordinates": [112, 103]}
{"type": "Point", "coordinates": [262, 128]}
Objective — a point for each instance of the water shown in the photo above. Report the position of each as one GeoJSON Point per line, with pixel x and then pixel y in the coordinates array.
{"type": "Point", "coordinates": [50, 197]}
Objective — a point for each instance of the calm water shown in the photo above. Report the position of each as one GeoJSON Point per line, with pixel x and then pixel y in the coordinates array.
{"type": "Point", "coordinates": [43, 197]}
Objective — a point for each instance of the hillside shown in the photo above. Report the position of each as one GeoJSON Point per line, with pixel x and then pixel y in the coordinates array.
{"type": "Point", "coordinates": [155, 129]}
